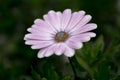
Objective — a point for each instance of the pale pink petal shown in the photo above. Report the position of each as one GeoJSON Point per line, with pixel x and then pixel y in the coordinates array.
{"type": "Point", "coordinates": [50, 51]}
{"type": "Point", "coordinates": [65, 18]}
{"type": "Point", "coordinates": [60, 48]}
{"type": "Point", "coordinates": [74, 44]}
{"type": "Point", "coordinates": [84, 21]}
{"type": "Point", "coordinates": [90, 34]}
{"type": "Point", "coordinates": [37, 42]}
{"type": "Point", "coordinates": [39, 32]}
{"type": "Point", "coordinates": [83, 37]}
{"type": "Point", "coordinates": [41, 53]}
{"type": "Point", "coordinates": [37, 37]}
{"type": "Point", "coordinates": [43, 26]}
{"type": "Point", "coordinates": [47, 20]}
{"type": "Point", "coordinates": [58, 18]}
{"type": "Point", "coordinates": [85, 28]}
{"type": "Point", "coordinates": [42, 45]}
{"type": "Point", "coordinates": [46, 52]}
{"type": "Point", "coordinates": [53, 19]}
{"type": "Point", "coordinates": [75, 19]}
{"type": "Point", "coordinates": [32, 30]}
{"type": "Point", "coordinates": [69, 52]}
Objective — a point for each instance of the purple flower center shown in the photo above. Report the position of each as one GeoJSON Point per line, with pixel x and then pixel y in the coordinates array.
{"type": "Point", "coordinates": [61, 36]}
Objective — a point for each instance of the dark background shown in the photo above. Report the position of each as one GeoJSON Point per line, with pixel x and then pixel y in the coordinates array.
{"type": "Point", "coordinates": [20, 62]}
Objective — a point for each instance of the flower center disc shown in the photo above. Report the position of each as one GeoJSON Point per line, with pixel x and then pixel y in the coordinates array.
{"type": "Point", "coordinates": [61, 36]}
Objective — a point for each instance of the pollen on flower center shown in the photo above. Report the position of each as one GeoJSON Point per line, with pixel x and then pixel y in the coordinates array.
{"type": "Point", "coordinates": [61, 36]}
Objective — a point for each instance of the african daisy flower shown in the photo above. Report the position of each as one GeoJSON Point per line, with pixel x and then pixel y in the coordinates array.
{"type": "Point", "coordinates": [60, 33]}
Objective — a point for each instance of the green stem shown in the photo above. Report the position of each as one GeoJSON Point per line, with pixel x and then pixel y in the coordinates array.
{"type": "Point", "coordinates": [74, 71]}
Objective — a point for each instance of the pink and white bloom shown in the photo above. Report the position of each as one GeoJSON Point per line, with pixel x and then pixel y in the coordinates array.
{"type": "Point", "coordinates": [60, 33]}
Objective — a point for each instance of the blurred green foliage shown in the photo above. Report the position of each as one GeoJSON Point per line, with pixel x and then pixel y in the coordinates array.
{"type": "Point", "coordinates": [99, 59]}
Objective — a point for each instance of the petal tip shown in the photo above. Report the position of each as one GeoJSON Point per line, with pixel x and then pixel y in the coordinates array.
{"type": "Point", "coordinates": [89, 16]}
{"type": "Point", "coordinates": [94, 35]}
{"type": "Point", "coordinates": [36, 20]}
{"type": "Point", "coordinates": [51, 11]}
{"type": "Point", "coordinates": [39, 55]}
{"type": "Point", "coordinates": [81, 45]}
{"type": "Point", "coordinates": [29, 29]}
{"type": "Point", "coordinates": [96, 26]}
{"type": "Point", "coordinates": [33, 47]}
{"type": "Point", "coordinates": [70, 55]}
{"type": "Point", "coordinates": [26, 42]}
{"type": "Point", "coordinates": [67, 10]}
{"type": "Point", "coordinates": [24, 38]}
{"type": "Point", "coordinates": [82, 12]}
{"type": "Point", "coordinates": [58, 53]}
{"type": "Point", "coordinates": [48, 54]}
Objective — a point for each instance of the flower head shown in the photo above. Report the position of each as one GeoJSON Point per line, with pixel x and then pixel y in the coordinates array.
{"type": "Point", "coordinates": [60, 33]}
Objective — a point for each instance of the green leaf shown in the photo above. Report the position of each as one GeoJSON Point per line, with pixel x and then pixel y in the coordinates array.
{"type": "Point", "coordinates": [82, 62]}
{"type": "Point", "coordinates": [50, 73]}
{"type": "Point", "coordinates": [102, 71]}
{"type": "Point", "coordinates": [98, 46]}
{"type": "Point", "coordinates": [35, 75]}
{"type": "Point", "coordinates": [44, 79]}
{"type": "Point", "coordinates": [67, 78]}
{"type": "Point", "coordinates": [85, 52]}
{"type": "Point", "coordinates": [118, 78]}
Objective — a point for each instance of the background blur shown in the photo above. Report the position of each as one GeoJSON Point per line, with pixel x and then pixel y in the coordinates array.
{"type": "Point", "coordinates": [99, 59]}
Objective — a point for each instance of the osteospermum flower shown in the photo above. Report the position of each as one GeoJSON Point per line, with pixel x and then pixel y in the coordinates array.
{"type": "Point", "coordinates": [60, 33]}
